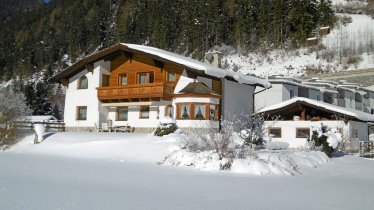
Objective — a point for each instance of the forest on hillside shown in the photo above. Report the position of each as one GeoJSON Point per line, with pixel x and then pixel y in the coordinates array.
{"type": "Point", "coordinates": [40, 35]}
{"type": "Point", "coordinates": [47, 37]}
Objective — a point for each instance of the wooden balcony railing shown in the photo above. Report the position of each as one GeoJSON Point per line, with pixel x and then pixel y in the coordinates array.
{"type": "Point", "coordinates": [136, 91]}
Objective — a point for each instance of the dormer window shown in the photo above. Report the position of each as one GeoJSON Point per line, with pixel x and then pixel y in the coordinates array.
{"type": "Point", "coordinates": [83, 82]}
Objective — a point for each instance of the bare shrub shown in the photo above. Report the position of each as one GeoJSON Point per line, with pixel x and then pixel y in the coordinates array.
{"type": "Point", "coordinates": [12, 108]}
{"type": "Point", "coordinates": [354, 60]}
{"type": "Point", "coordinates": [223, 141]}
{"type": "Point", "coordinates": [207, 139]}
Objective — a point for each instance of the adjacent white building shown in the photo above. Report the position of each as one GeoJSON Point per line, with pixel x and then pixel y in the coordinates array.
{"type": "Point", "coordinates": [298, 116]}
{"type": "Point", "coordinates": [350, 96]}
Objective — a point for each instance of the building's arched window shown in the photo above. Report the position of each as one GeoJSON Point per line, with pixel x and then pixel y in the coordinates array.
{"type": "Point", "coordinates": [83, 83]}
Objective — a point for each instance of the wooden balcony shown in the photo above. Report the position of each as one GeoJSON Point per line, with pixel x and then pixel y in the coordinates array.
{"type": "Point", "coordinates": [136, 92]}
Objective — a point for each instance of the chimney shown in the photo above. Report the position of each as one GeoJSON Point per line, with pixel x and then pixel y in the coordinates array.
{"type": "Point", "coordinates": [213, 58]}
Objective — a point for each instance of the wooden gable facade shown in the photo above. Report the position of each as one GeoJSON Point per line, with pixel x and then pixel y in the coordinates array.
{"type": "Point", "coordinates": [306, 112]}
{"type": "Point", "coordinates": [156, 87]}
{"type": "Point", "coordinates": [162, 78]}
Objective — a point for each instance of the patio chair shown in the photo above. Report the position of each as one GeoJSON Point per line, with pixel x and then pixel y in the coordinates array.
{"type": "Point", "coordinates": [105, 127]}
{"type": "Point", "coordinates": [98, 128]}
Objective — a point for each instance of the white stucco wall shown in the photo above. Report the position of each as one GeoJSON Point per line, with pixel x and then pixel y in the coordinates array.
{"type": "Point", "coordinates": [349, 98]}
{"type": "Point", "coordinates": [156, 111]}
{"type": "Point", "coordinates": [237, 100]}
{"type": "Point", "coordinates": [289, 131]}
{"type": "Point", "coordinates": [268, 97]}
{"type": "Point", "coordinates": [314, 94]}
{"type": "Point", "coordinates": [196, 100]}
{"type": "Point", "coordinates": [85, 97]}
{"type": "Point", "coordinates": [286, 88]}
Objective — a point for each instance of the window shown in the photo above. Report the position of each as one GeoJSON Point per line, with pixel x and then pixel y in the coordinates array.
{"type": "Point", "coordinates": [184, 111]}
{"type": "Point", "coordinates": [302, 132]}
{"type": "Point", "coordinates": [197, 111]}
{"type": "Point", "coordinates": [81, 113]}
{"type": "Point", "coordinates": [83, 83]}
{"type": "Point", "coordinates": [169, 111]}
{"type": "Point", "coordinates": [122, 79]}
{"type": "Point", "coordinates": [292, 93]}
{"type": "Point", "coordinates": [122, 113]}
{"type": "Point", "coordinates": [275, 132]}
{"type": "Point", "coordinates": [171, 77]}
{"type": "Point", "coordinates": [144, 112]}
{"type": "Point", "coordinates": [144, 78]}
{"type": "Point", "coordinates": [200, 111]}
{"type": "Point", "coordinates": [213, 112]}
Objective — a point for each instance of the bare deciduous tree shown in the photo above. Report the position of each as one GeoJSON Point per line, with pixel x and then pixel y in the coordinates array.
{"type": "Point", "coordinates": [12, 108]}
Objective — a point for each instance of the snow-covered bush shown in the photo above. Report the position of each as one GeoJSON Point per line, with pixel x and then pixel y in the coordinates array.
{"type": "Point", "coordinates": [325, 138]}
{"type": "Point", "coordinates": [166, 126]}
{"type": "Point", "coordinates": [210, 139]}
{"type": "Point", "coordinates": [12, 108]}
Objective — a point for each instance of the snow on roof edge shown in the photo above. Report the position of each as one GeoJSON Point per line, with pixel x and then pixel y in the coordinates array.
{"type": "Point", "coordinates": [354, 113]}
{"type": "Point", "coordinates": [194, 64]}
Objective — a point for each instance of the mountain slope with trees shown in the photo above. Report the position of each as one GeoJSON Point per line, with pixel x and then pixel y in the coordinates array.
{"type": "Point", "coordinates": [48, 37]}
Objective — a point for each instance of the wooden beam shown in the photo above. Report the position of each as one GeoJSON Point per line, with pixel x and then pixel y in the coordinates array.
{"type": "Point", "coordinates": [90, 67]}
{"type": "Point", "coordinates": [127, 54]}
{"type": "Point", "coordinates": [158, 64]}
{"type": "Point", "coordinates": [112, 56]}
{"type": "Point", "coordinates": [303, 115]}
{"type": "Point", "coordinates": [65, 82]}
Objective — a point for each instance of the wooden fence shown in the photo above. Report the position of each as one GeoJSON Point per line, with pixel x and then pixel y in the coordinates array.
{"type": "Point", "coordinates": [49, 126]}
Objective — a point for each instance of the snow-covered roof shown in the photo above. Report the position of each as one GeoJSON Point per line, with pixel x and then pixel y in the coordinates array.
{"type": "Point", "coordinates": [369, 88]}
{"type": "Point", "coordinates": [194, 64]}
{"type": "Point", "coordinates": [290, 82]}
{"type": "Point", "coordinates": [362, 116]}
{"type": "Point", "coordinates": [39, 118]}
{"type": "Point", "coordinates": [352, 89]}
{"type": "Point", "coordinates": [162, 55]}
{"type": "Point", "coordinates": [197, 88]}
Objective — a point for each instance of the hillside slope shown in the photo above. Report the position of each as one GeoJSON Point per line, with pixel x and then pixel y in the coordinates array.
{"type": "Point", "coordinates": [349, 46]}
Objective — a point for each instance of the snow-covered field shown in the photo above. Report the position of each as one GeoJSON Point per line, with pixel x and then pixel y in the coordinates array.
{"type": "Point", "coordinates": [344, 42]}
{"type": "Point", "coordinates": [119, 171]}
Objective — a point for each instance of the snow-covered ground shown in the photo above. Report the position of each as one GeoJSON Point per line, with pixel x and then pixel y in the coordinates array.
{"type": "Point", "coordinates": [343, 41]}
{"type": "Point", "coordinates": [345, 3]}
{"type": "Point", "coordinates": [118, 171]}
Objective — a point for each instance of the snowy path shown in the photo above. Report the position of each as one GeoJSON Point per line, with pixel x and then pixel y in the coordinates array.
{"type": "Point", "coordinates": [32, 181]}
